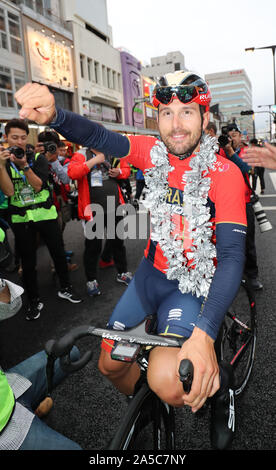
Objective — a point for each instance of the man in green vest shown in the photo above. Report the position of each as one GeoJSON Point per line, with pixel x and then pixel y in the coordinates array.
{"type": "Point", "coordinates": [24, 178]}
{"type": "Point", "coordinates": [23, 387]}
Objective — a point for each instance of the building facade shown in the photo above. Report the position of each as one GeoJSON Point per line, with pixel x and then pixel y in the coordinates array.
{"type": "Point", "coordinates": [164, 64]}
{"type": "Point", "coordinates": [12, 58]}
{"type": "Point", "coordinates": [150, 112]}
{"type": "Point", "coordinates": [49, 50]}
{"type": "Point", "coordinates": [98, 63]}
{"type": "Point", "coordinates": [36, 46]}
{"type": "Point", "coordinates": [132, 89]}
{"type": "Point", "coordinates": [67, 45]}
{"type": "Point", "coordinates": [232, 90]}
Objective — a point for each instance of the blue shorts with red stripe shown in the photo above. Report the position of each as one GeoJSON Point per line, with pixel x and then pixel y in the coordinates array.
{"type": "Point", "coordinates": [151, 293]}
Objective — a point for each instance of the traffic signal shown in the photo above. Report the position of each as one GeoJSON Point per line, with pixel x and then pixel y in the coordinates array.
{"type": "Point", "coordinates": [246, 113]}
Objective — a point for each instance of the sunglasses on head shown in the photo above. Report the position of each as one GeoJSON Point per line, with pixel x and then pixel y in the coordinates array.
{"type": "Point", "coordinates": [165, 95]}
{"type": "Point", "coordinates": [185, 93]}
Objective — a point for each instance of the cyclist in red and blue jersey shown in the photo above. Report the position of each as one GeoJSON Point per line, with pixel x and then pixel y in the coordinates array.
{"type": "Point", "coordinates": [190, 273]}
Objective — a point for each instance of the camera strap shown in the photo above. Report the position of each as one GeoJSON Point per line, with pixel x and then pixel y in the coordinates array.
{"type": "Point", "coordinates": [254, 196]}
{"type": "Point", "coordinates": [18, 172]}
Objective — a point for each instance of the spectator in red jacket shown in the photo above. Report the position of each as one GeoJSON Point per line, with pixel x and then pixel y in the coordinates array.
{"type": "Point", "coordinates": [97, 192]}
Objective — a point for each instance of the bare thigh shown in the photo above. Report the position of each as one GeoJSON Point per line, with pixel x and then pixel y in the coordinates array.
{"type": "Point", "coordinates": [162, 375]}
{"type": "Point", "coordinates": [123, 375]}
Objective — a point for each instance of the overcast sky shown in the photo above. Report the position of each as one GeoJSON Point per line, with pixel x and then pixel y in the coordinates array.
{"type": "Point", "coordinates": [212, 36]}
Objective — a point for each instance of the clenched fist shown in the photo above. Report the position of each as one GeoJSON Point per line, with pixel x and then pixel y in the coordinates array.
{"type": "Point", "coordinates": [37, 103]}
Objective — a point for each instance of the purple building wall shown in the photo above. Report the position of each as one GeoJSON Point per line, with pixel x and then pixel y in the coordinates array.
{"type": "Point", "coordinates": [132, 88]}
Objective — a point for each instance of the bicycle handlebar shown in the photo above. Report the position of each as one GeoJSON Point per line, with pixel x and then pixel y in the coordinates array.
{"type": "Point", "coordinates": [62, 347]}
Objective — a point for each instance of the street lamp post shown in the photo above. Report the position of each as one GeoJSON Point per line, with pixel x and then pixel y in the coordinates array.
{"type": "Point", "coordinates": [270, 114]}
{"type": "Point", "coordinates": [273, 55]}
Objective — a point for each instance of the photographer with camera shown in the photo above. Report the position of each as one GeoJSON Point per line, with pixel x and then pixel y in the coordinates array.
{"type": "Point", "coordinates": [62, 152]}
{"type": "Point", "coordinates": [49, 145]}
{"type": "Point", "coordinates": [231, 142]}
{"type": "Point", "coordinates": [48, 141]}
{"type": "Point", "coordinates": [31, 210]}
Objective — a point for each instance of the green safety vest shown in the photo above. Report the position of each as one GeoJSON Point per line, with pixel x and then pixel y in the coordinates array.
{"type": "Point", "coordinates": [7, 401]}
{"type": "Point", "coordinates": [3, 201]}
{"type": "Point", "coordinates": [2, 235]}
{"type": "Point", "coordinates": [41, 208]}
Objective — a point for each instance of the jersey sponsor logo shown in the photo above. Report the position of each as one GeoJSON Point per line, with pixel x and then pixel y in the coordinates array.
{"type": "Point", "coordinates": [239, 231]}
{"type": "Point", "coordinates": [119, 326]}
{"type": "Point", "coordinates": [180, 226]}
{"type": "Point", "coordinates": [174, 196]}
{"type": "Point", "coordinates": [175, 314]}
{"type": "Point", "coordinates": [220, 166]}
{"type": "Point", "coordinates": [224, 167]}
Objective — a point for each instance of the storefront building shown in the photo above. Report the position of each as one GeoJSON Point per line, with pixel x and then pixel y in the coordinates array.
{"type": "Point", "coordinates": [36, 46]}
{"type": "Point", "coordinates": [49, 54]}
{"type": "Point", "coordinates": [12, 59]}
{"type": "Point", "coordinates": [98, 65]}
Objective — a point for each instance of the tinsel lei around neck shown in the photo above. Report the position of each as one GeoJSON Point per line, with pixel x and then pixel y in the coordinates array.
{"type": "Point", "coordinates": [198, 276]}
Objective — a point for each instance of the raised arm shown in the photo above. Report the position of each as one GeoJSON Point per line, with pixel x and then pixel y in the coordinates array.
{"type": "Point", "coordinates": [38, 104]}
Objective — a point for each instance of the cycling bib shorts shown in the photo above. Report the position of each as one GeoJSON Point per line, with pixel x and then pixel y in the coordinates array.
{"type": "Point", "coordinates": [150, 292]}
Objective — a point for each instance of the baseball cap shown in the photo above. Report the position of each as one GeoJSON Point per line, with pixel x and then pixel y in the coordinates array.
{"type": "Point", "coordinates": [233, 127]}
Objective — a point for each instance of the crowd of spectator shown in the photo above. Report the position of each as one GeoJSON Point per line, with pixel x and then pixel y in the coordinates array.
{"type": "Point", "coordinates": [42, 188]}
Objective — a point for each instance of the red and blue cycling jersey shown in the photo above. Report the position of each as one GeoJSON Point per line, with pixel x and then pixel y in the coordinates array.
{"type": "Point", "coordinates": [226, 199]}
{"type": "Point", "coordinates": [226, 195]}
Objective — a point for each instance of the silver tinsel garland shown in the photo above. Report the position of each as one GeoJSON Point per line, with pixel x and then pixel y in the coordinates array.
{"type": "Point", "coordinates": [198, 276]}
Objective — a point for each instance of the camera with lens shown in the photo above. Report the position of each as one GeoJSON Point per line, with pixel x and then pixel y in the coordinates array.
{"type": "Point", "coordinates": [50, 147]}
{"type": "Point", "coordinates": [260, 214]}
{"type": "Point", "coordinates": [18, 152]}
{"type": "Point", "coordinates": [223, 140]}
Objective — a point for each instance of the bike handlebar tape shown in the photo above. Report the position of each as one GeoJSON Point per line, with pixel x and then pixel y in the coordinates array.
{"type": "Point", "coordinates": [71, 366]}
{"type": "Point", "coordinates": [62, 347]}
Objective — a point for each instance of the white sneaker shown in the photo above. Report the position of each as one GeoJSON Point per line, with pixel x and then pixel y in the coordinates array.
{"type": "Point", "coordinates": [33, 312]}
{"type": "Point", "coordinates": [69, 294]}
{"type": "Point", "coordinates": [93, 288]}
{"type": "Point", "coordinates": [125, 278]}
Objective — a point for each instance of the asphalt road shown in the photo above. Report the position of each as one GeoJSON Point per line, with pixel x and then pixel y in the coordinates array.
{"type": "Point", "coordinates": [86, 407]}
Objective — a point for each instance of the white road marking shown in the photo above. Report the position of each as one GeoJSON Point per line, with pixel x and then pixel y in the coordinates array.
{"type": "Point", "coordinates": [273, 179]}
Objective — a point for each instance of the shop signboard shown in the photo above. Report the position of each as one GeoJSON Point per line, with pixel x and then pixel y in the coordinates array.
{"type": "Point", "coordinates": [50, 61]}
